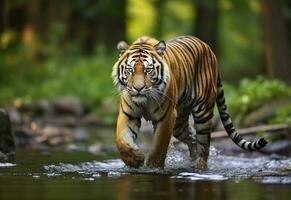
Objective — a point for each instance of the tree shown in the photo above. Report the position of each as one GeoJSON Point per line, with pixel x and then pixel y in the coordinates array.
{"type": "Point", "coordinates": [206, 23]}
{"type": "Point", "coordinates": [85, 23]}
{"type": "Point", "coordinates": [160, 9]}
{"type": "Point", "coordinates": [2, 13]}
{"type": "Point", "coordinates": [277, 49]}
{"type": "Point", "coordinates": [97, 23]}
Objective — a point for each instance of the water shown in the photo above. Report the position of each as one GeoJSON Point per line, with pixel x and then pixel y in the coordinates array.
{"type": "Point", "coordinates": [81, 175]}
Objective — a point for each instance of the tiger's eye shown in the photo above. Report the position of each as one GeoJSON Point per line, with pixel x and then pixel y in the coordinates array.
{"type": "Point", "coordinates": [148, 70]}
{"type": "Point", "coordinates": [130, 70]}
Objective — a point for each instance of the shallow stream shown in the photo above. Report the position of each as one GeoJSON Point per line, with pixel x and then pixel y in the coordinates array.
{"type": "Point", "coordinates": [57, 174]}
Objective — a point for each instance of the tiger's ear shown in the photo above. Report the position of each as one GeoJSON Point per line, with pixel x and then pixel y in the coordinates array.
{"type": "Point", "coordinates": [122, 47]}
{"type": "Point", "coordinates": [160, 47]}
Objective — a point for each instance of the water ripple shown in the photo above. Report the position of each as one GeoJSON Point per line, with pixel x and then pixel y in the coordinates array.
{"type": "Point", "coordinates": [178, 166]}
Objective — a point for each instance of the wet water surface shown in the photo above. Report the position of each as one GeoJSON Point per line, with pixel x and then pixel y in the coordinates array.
{"type": "Point", "coordinates": [81, 175]}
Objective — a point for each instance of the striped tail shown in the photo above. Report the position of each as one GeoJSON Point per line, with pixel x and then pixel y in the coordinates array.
{"type": "Point", "coordinates": [229, 127]}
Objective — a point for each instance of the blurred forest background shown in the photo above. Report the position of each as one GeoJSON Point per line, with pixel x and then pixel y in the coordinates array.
{"type": "Point", "coordinates": [51, 49]}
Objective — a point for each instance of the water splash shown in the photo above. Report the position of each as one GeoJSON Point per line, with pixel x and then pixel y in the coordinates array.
{"type": "Point", "coordinates": [7, 165]}
{"type": "Point", "coordinates": [178, 166]}
{"type": "Point", "coordinates": [196, 176]}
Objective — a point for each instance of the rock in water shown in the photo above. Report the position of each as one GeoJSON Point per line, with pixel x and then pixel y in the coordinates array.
{"type": "Point", "coordinates": [7, 142]}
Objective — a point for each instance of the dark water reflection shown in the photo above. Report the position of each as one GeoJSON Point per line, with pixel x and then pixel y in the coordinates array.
{"type": "Point", "coordinates": [61, 175]}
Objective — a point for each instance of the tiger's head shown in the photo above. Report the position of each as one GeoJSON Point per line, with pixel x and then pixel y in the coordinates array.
{"type": "Point", "coordinates": [141, 71]}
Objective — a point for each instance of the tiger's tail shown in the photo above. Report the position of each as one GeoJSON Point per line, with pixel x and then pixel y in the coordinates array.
{"type": "Point", "coordinates": [229, 127]}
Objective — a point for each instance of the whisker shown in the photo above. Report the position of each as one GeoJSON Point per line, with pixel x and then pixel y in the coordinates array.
{"type": "Point", "coordinates": [163, 95]}
{"type": "Point", "coordinates": [154, 97]}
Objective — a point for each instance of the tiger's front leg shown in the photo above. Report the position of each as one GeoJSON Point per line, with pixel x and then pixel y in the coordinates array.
{"type": "Point", "coordinates": [127, 129]}
{"type": "Point", "coordinates": [163, 133]}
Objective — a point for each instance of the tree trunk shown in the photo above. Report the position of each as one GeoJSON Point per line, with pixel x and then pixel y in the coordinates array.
{"type": "Point", "coordinates": [2, 17]}
{"type": "Point", "coordinates": [115, 24]}
{"type": "Point", "coordinates": [12, 15]}
{"type": "Point", "coordinates": [160, 9]}
{"type": "Point", "coordinates": [105, 26]}
{"type": "Point", "coordinates": [276, 50]}
{"type": "Point", "coordinates": [206, 26]}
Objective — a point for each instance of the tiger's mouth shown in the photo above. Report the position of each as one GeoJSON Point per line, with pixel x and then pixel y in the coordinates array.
{"type": "Point", "coordinates": [139, 98]}
{"type": "Point", "coordinates": [138, 95]}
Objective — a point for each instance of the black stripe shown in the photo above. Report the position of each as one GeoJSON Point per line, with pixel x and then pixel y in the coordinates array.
{"type": "Point", "coordinates": [162, 70]}
{"type": "Point", "coordinates": [157, 109]}
{"type": "Point", "coordinates": [229, 126]}
{"type": "Point", "coordinates": [202, 144]}
{"type": "Point", "coordinates": [201, 121]}
{"type": "Point", "coordinates": [257, 146]}
{"type": "Point", "coordinates": [183, 131]}
{"type": "Point", "coordinates": [129, 116]}
{"type": "Point", "coordinates": [243, 144]}
{"type": "Point", "coordinates": [203, 132]}
{"type": "Point", "coordinates": [134, 56]}
{"type": "Point", "coordinates": [220, 102]}
{"type": "Point", "coordinates": [133, 132]}
{"type": "Point", "coordinates": [181, 121]}
{"type": "Point", "coordinates": [250, 146]}
{"type": "Point", "coordinates": [182, 97]}
{"type": "Point", "coordinates": [224, 117]}
{"type": "Point", "coordinates": [202, 118]}
{"type": "Point", "coordinates": [164, 115]}
{"type": "Point", "coordinates": [119, 71]}
{"type": "Point", "coordinates": [128, 104]}
{"type": "Point", "coordinates": [237, 138]}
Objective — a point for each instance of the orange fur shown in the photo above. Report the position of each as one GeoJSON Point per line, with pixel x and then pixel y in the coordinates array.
{"type": "Point", "coordinates": [166, 83]}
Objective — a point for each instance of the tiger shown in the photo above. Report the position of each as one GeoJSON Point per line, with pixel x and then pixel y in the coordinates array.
{"type": "Point", "coordinates": [166, 82]}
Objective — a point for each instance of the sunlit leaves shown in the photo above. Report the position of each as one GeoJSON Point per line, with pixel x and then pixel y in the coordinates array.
{"type": "Point", "coordinates": [140, 20]}
{"type": "Point", "coordinates": [253, 94]}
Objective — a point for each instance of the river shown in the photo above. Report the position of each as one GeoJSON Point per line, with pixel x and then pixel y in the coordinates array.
{"type": "Point", "coordinates": [58, 174]}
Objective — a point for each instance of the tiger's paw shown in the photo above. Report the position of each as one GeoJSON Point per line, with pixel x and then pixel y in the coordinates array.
{"type": "Point", "coordinates": [132, 158]}
{"type": "Point", "coordinates": [200, 164]}
{"type": "Point", "coordinates": [154, 163]}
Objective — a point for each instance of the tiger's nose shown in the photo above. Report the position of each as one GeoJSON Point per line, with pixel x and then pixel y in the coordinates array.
{"type": "Point", "coordinates": [138, 88]}
{"type": "Point", "coordinates": [138, 82]}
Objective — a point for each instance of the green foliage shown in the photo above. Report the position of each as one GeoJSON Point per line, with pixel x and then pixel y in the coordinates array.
{"type": "Point", "coordinates": [87, 77]}
{"type": "Point", "coordinates": [252, 94]}
{"type": "Point", "coordinates": [283, 115]}
{"type": "Point", "coordinates": [240, 30]}
{"type": "Point", "coordinates": [56, 65]}
{"type": "Point", "coordinates": [178, 19]}
{"type": "Point", "coordinates": [140, 19]}
{"type": "Point", "coordinates": [240, 36]}
{"type": "Point", "coordinates": [143, 17]}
